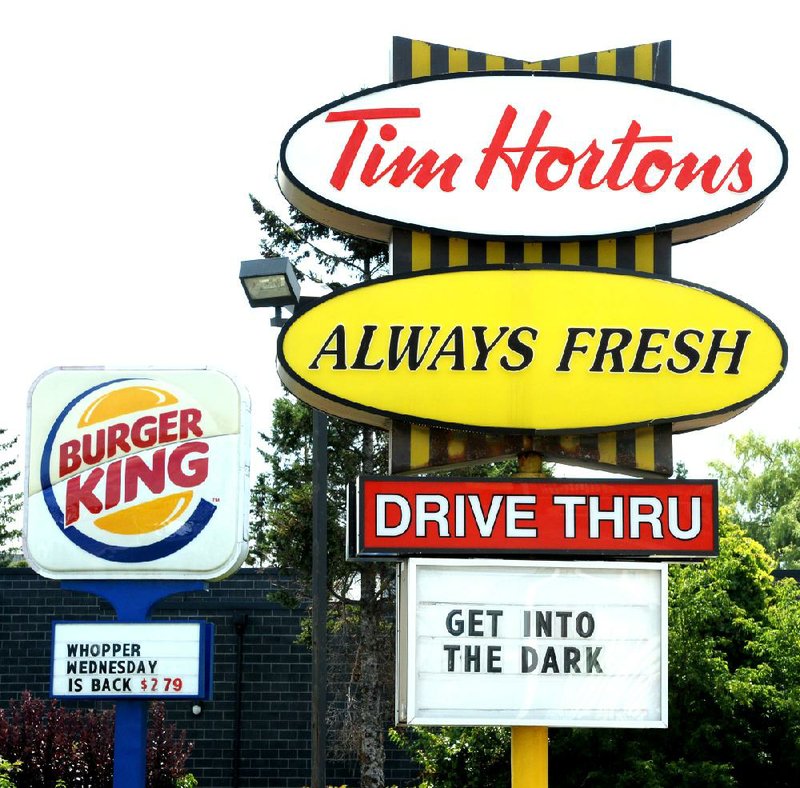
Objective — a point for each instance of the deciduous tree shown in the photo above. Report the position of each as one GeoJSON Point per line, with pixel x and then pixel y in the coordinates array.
{"type": "Point", "coordinates": [762, 489]}
{"type": "Point", "coordinates": [734, 694]}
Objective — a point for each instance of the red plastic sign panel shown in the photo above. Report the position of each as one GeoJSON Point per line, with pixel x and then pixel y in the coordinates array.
{"type": "Point", "coordinates": [393, 517]}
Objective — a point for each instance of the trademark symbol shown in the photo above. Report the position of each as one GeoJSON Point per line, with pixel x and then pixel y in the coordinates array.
{"type": "Point", "coordinates": [215, 500]}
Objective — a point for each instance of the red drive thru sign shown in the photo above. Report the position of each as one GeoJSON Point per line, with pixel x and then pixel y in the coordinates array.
{"type": "Point", "coordinates": [392, 517]}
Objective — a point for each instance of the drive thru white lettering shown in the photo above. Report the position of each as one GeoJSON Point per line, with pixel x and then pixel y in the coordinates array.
{"type": "Point", "coordinates": [464, 514]}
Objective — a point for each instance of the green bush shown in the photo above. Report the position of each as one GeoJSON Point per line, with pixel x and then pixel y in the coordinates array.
{"type": "Point", "coordinates": [734, 695]}
{"type": "Point", "coordinates": [458, 757]}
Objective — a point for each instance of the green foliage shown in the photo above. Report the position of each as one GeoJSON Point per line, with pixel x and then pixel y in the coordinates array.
{"type": "Point", "coordinates": [360, 595]}
{"type": "Point", "coordinates": [186, 781]}
{"type": "Point", "coordinates": [762, 488]}
{"type": "Point", "coordinates": [317, 252]}
{"type": "Point", "coordinates": [458, 757]}
{"type": "Point", "coordinates": [734, 694]}
{"type": "Point", "coordinates": [10, 501]}
{"type": "Point", "coordinates": [680, 471]}
{"type": "Point", "coordinates": [6, 771]}
{"type": "Point", "coordinates": [734, 685]}
{"type": "Point", "coordinates": [281, 497]}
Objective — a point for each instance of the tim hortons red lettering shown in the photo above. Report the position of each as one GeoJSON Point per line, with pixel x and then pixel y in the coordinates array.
{"type": "Point", "coordinates": [102, 488]}
{"type": "Point", "coordinates": [741, 167]}
{"type": "Point", "coordinates": [556, 164]}
{"type": "Point", "coordinates": [633, 160]}
{"type": "Point", "coordinates": [399, 169]}
{"type": "Point", "coordinates": [146, 431]}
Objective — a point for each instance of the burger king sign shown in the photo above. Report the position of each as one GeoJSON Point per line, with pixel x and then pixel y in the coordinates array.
{"type": "Point", "coordinates": [136, 473]}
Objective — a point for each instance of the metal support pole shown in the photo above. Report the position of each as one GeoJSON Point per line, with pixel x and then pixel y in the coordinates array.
{"type": "Point", "coordinates": [319, 596]}
{"type": "Point", "coordinates": [529, 744]}
{"type": "Point", "coordinates": [130, 744]}
{"type": "Point", "coordinates": [239, 627]}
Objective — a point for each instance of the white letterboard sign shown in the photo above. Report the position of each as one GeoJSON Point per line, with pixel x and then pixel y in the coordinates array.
{"type": "Point", "coordinates": [119, 660]}
{"type": "Point", "coordinates": [562, 644]}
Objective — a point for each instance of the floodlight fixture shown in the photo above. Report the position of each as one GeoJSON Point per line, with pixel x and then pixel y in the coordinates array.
{"type": "Point", "coordinates": [269, 281]}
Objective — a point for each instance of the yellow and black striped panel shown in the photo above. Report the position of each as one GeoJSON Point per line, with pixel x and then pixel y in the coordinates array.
{"type": "Point", "coordinates": [646, 449]}
{"type": "Point", "coordinates": [415, 251]}
{"type": "Point", "coordinates": [411, 58]}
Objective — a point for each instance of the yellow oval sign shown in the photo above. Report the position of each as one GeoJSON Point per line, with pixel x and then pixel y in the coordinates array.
{"type": "Point", "coordinates": [543, 349]}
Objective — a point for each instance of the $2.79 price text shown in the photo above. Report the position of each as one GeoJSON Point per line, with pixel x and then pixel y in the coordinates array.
{"type": "Point", "coordinates": [157, 684]}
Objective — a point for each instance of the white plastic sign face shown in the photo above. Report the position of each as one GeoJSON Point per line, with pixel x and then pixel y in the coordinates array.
{"type": "Point", "coordinates": [530, 155]}
{"type": "Point", "coordinates": [152, 660]}
{"type": "Point", "coordinates": [532, 643]}
{"type": "Point", "coordinates": [136, 474]}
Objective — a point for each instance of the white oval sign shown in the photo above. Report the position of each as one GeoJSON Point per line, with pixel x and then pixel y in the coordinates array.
{"type": "Point", "coordinates": [530, 155]}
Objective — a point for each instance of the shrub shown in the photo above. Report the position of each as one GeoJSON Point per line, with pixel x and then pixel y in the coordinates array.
{"type": "Point", "coordinates": [167, 750]}
{"type": "Point", "coordinates": [458, 757]}
{"type": "Point", "coordinates": [6, 769]}
{"type": "Point", "coordinates": [55, 744]}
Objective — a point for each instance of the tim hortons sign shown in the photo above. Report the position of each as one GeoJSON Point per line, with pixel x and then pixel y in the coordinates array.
{"type": "Point", "coordinates": [530, 155]}
{"type": "Point", "coordinates": [544, 348]}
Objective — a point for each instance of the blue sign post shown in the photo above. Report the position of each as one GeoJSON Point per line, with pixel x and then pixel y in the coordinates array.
{"type": "Point", "coordinates": [133, 600]}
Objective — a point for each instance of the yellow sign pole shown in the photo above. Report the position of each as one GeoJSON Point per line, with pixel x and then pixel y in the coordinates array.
{"type": "Point", "coordinates": [528, 757]}
{"type": "Point", "coordinates": [529, 744]}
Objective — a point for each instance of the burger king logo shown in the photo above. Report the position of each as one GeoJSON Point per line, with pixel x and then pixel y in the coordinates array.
{"type": "Point", "coordinates": [130, 470]}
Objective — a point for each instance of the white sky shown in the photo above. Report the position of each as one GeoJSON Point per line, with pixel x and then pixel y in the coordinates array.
{"type": "Point", "coordinates": [132, 133]}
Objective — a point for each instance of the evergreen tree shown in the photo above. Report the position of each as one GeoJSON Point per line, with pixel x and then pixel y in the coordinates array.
{"type": "Point", "coordinates": [361, 595]}
{"type": "Point", "coordinates": [10, 501]}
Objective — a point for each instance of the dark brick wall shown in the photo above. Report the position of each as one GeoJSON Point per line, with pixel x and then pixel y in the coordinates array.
{"type": "Point", "coordinates": [275, 731]}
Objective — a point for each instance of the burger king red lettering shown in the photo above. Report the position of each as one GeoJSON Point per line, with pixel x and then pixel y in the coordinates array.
{"type": "Point", "coordinates": [186, 466]}
{"type": "Point", "coordinates": [145, 432]}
